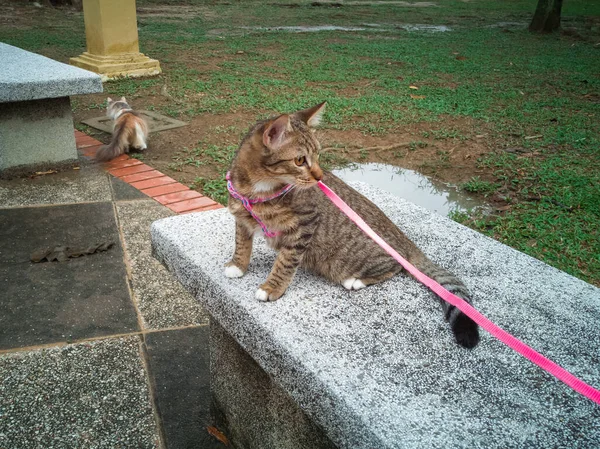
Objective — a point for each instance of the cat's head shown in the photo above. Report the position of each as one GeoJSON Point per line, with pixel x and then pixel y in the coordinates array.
{"type": "Point", "coordinates": [114, 106]}
{"type": "Point", "coordinates": [290, 150]}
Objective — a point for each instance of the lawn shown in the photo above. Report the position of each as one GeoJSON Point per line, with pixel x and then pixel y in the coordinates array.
{"type": "Point", "coordinates": [469, 96]}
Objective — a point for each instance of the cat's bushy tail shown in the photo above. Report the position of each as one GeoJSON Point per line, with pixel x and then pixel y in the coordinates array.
{"type": "Point", "coordinates": [466, 331]}
{"type": "Point", "coordinates": [117, 145]}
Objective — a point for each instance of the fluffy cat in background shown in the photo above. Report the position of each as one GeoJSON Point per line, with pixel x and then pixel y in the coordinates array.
{"type": "Point", "coordinates": [308, 230]}
{"type": "Point", "coordinates": [130, 130]}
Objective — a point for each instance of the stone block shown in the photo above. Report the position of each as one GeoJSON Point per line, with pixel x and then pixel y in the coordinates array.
{"type": "Point", "coordinates": [379, 368]}
{"type": "Point", "coordinates": [29, 76]}
{"type": "Point", "coordinates": [36, 133]}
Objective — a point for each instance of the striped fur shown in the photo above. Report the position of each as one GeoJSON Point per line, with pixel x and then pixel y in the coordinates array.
{"type": "Point", "coordinates": [130, 131]}
{"type": "Point", "coordinates": [314, 234]}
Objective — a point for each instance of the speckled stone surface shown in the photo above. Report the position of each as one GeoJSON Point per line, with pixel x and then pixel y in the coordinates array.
{"type": "Point", "coordinates": [161, 300]}
{"type": "Point", "coordinates": [29, 76]}
{"type": "Point", "coordinates": [379, 368]}
{"type": "Point", "coordinates": [252, 410]}
{"type": "Point", "coordinates": [87, 395]}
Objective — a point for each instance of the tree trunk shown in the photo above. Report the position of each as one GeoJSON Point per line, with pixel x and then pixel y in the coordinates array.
{"type": "Point", "coordinates": [547, 16]}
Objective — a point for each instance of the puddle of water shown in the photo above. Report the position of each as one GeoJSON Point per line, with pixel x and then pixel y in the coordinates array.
{"type": "Point", "coordinates": [373, 27]}
{"type": "Point", "coordinates": [421, 27]}
{"type": "Point", "coordinates": [307, 29]}
{"type": "Point", "coordinates": [433, 195]}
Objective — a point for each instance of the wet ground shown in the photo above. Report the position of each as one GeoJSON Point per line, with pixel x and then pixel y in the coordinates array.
{"type": "Point", "coordinates": [436, 196]}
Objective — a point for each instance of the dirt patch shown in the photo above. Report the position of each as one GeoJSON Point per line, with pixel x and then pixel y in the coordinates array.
{"type": "Point", "coordinates": [451, 160]}
{"type": "Point", "coordinates": [179, 153]}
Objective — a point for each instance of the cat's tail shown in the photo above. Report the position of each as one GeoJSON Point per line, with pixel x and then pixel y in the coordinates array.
{"type": "Point", "coordinates": [117, 145]}
{"type": "Point", "coordinates": [466, 331]}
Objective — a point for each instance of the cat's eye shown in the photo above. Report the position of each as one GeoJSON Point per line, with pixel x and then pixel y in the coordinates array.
{"type": "Point", "coordinates": [299, 161]}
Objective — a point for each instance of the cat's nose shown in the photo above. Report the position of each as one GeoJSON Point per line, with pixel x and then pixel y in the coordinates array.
{"type": "Point", "coordinates": [316, 172]}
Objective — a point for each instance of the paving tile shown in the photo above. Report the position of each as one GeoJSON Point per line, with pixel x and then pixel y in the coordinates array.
{"type": "Point", "coordinates": [91, 150]}
{"type": "Point", "coordinates": [194, 203]}
{"type": "Point", "coordinates": [163, 190]}
{"type": "Point", "coordinates": [60, 301]}
{"type": "Point", "coordinates": [81, 142]}
{"type": "Point", "coordinates": [87, 395]}
{"type": "Point", "coordinates": [138, 168]}
{"type": "Point", "coordinates": [142, 176]}
{"type": "Point", "coordinates": [204, 209]}
{"type": "Point", "coordinates": [83, 147]}
{"type": "Point", "coordinates": [89, 183]}
{"type": "Point", "coordinates": [117, 161]}
{"type": "Point", "coordinates": [161, 299]}
{"type": "Point", "coordinates": [155, 182]}
{"type": "Point", "coordinates": [124, 192]}
{"type": "Point", "coordinates": [121, 162]}
{"type": "Point", "coordinates": [179, 364]}
{"type": "Point", "coordinates": [177, 196]}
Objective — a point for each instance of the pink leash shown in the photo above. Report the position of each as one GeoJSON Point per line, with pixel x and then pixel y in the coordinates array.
{"type": "Point", "coordinates": [506, 338]}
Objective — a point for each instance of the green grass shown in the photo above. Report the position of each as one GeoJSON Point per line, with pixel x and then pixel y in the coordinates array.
{"type": "Point", "coordinates": [476, 185]}
{"type": "Point", "coordinates": [503, 81]}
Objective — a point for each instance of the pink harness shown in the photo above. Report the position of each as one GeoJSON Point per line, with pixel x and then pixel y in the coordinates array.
{"type": "Point", "coordinates": [506, 338]}
{"type": "Point", "coordinates": [248, 203]}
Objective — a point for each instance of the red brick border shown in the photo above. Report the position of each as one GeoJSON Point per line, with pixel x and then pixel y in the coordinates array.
{"type": "Point", "coordinates": [168, 192]}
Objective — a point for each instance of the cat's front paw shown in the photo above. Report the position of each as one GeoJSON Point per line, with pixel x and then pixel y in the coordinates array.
{"type": "Point", "coordinates": [233, 271]}
{"type": "Point", "coordinates": [265, 293]}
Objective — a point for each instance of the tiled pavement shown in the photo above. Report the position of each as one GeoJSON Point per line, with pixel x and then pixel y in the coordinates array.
{"type": "Point", "coordinates": [106, 350]}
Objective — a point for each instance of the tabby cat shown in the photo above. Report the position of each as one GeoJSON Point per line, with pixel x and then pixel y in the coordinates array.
{"type": "Point", "coordinates": [130, 130]}
{"type": "Point", "coordinates": [306, 229]}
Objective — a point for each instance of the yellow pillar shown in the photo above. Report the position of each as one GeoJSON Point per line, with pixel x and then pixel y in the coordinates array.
{"type": "Point", "coordinates": [113, 49]}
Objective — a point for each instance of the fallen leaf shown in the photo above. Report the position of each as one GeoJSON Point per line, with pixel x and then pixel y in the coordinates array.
{"type": "Point", "coordinates": [533, 137]}
{"type": "Point", "coordinates": [417, 97]}
{"type": "Point", "coordinates": [461, 58]}
{"type": "Point", "coordinates": [479, 136]}
{"type": "Point", "coordinates": [503, 208]}
{"type": "Point", "coordinates": [413, 87]}
{"type": "Point", "coordinates": [240, 52]}
{"type": "Point", "coordinates": [218, 435]}
{"type": "Point", "coordinates": [49, 172]}
{"type": "Point", "coordinates": [63, 253]}
{"type": "Point", "coordinates": [76, 168]}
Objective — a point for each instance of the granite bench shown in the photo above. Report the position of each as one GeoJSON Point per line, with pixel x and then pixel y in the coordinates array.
{"type": "Point", "coordinates": [378, 368]}
{"type": "Point", "coordinates": [36, 123]}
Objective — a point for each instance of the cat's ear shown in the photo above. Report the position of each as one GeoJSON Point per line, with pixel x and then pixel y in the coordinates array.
{"type": "Point", "coordinates": [123, 100]}
{"type": "Point", "coordinates": [312, 117]}
{"type": "Point", "coordinates": [109, 100]}
{"type": "Point", "coordinates": [275, 132]}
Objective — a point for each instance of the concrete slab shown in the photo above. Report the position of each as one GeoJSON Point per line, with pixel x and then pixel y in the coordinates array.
{"type": "Point", "coordinates": [156, 122]}
{"type": "Point", "coordinates": [29, 76]}
{"type": "Point", "coordinates": [379, 367]}
{"type": "Point", "coordinates": [88, 395]}
{"type": "Point", "coordinates": [61, 301]}
{"type": "Point", "coordinates": [87, 184]}
{"type": "Point", "coordinates": [162, 301]}
{"type": "Point", "coordinates": [179, 363]}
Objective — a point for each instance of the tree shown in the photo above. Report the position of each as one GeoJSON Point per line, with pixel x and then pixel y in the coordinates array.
{"type": "Point", "coordinates": [547, 16]}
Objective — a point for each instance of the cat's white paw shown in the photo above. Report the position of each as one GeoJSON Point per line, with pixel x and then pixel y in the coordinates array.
{"type": "Point", "coordinates": [233, 272]}
{"type": "Point", "coordinates": [348, 283]}
{"type": "Point", "coordinates": [358, 284]}
{"type": "Point", "coordinates": [353, 284]}
{"type": "Point", "coordinates": [261, 295]}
